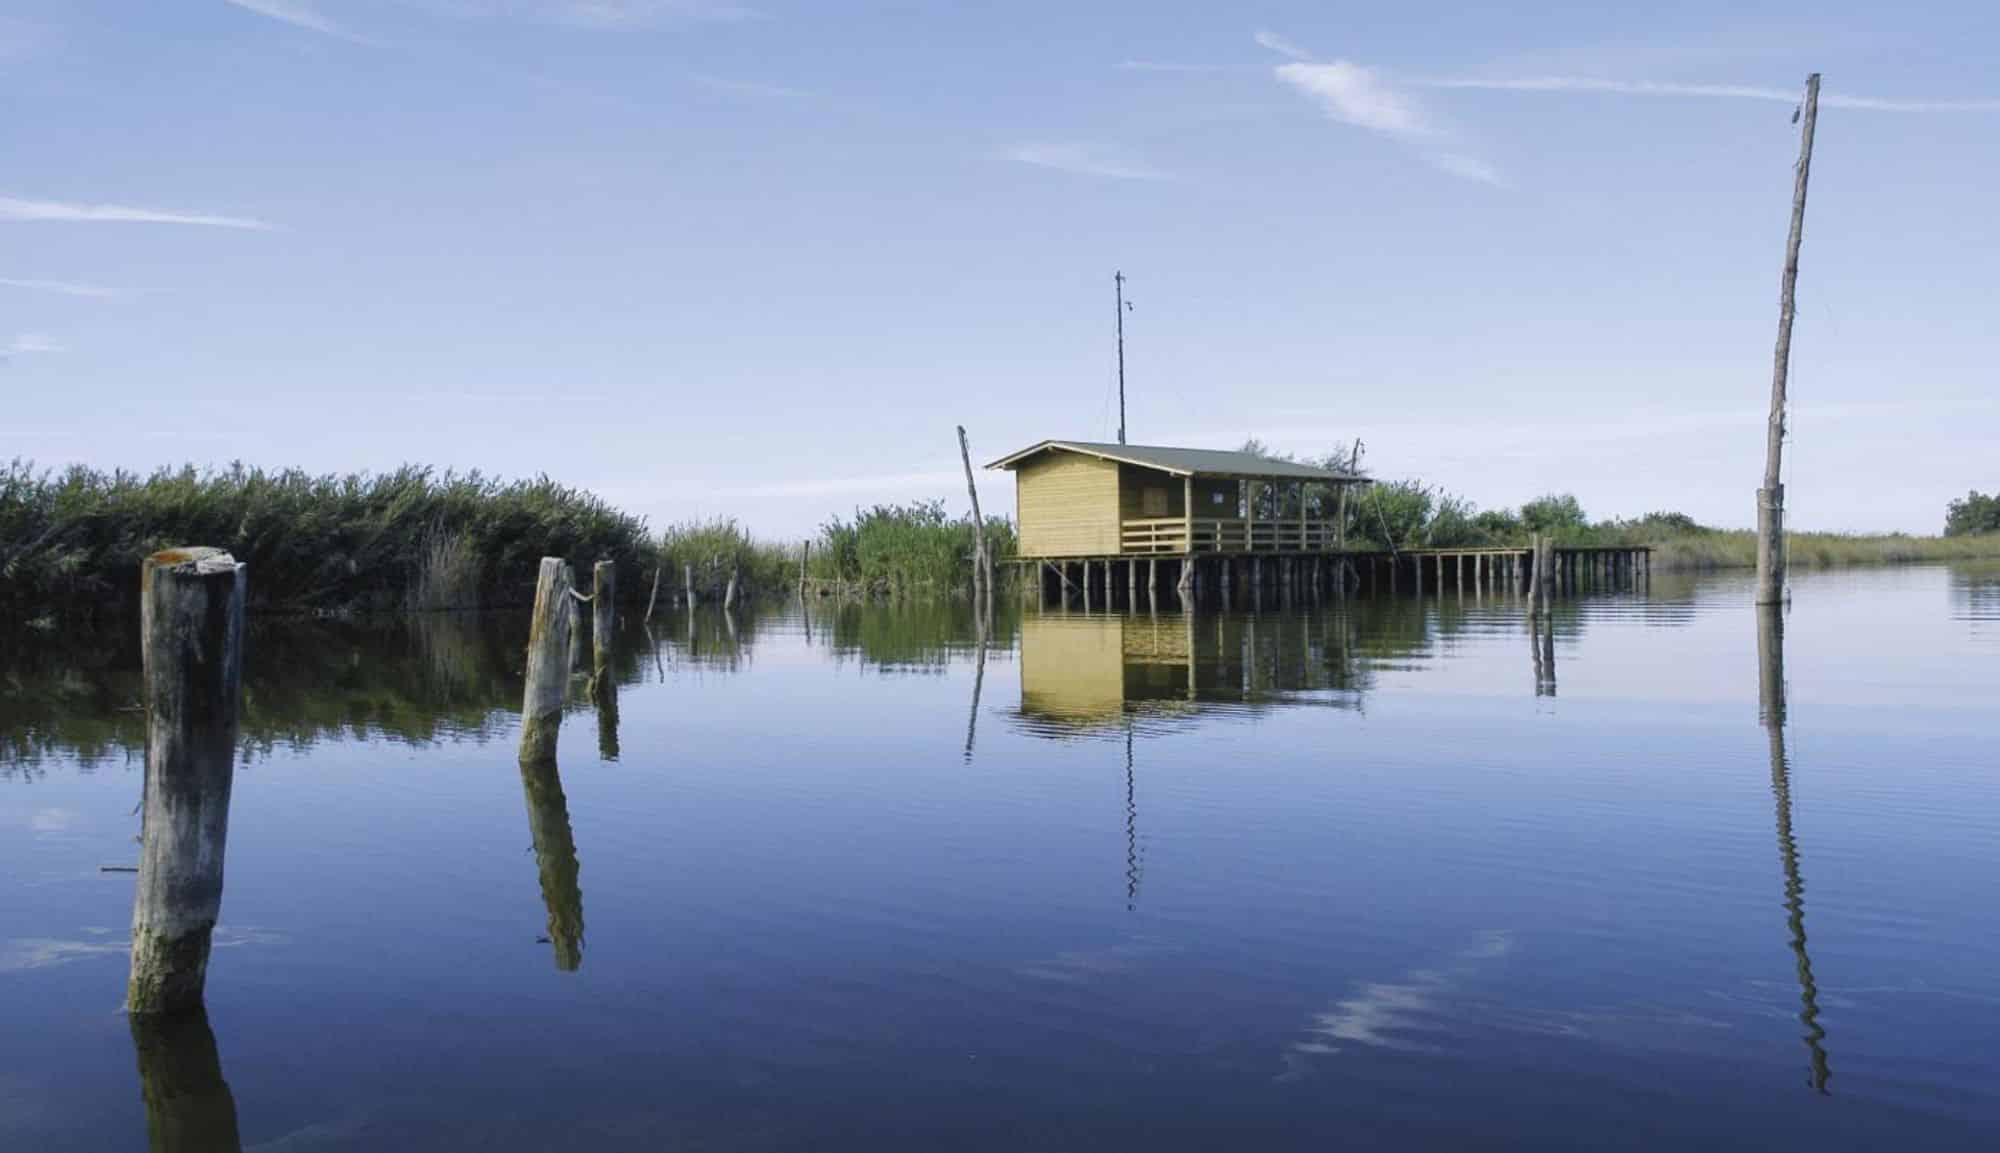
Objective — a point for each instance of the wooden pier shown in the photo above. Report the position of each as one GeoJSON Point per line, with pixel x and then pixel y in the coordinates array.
{"type": "Point", "coordinates": [1254, 576]}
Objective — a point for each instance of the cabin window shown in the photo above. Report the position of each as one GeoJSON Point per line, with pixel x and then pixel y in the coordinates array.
{"type": "Point", "coordinates": [1153, 502]}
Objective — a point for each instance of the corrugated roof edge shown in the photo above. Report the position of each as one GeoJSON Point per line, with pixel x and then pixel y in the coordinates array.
{"type": "Point", "coordinates": [1184, 461]}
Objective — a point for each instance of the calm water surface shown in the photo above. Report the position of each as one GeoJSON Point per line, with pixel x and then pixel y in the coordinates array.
{"type": "Point", "coordinates": [1405, 875]}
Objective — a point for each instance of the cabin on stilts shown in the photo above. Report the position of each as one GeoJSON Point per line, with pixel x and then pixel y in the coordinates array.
{"type": "Point", "coordinates": [1090, 514]}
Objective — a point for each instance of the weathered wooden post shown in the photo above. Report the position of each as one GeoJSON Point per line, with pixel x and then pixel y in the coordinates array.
{"type": "Point", "coordinates": [729, 591]}
{"type": "Point", "coordinates": [189, 1108]}
{"type": "Point", "coordinates": [654, 597]}
{"type": "Point", "coordinates": [548, 662]}
{"type": "Point", "coordinates": [191, 644]}
{"type": "Point", "coordinates": [805, 555]}
{"type": "Point", "coordinates": [687, 581]}
{"type": "Point", "coordinates": [603, 613]}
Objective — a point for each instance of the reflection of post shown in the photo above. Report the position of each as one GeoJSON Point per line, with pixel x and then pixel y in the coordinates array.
{"type": "Point", "coordinates": [548, 662]}
{"type": "Point", "coordinates": [191, 644]}
{"type": "Point", "coordinates": [555, 859]}
{"type": "Point", "coordinates": [604, 694]}
{"type": "Point", "coordinates": [1771, 711]}
{"type": "Point", "coordinates": [1542, 639]}
{"type": "Point", "coordinates": [978, 681]}
{"type": "Point", "coordinates": [188, 1105]}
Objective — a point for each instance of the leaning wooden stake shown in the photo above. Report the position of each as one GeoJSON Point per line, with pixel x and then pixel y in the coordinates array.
{"type": "Point", "coordinates": [548, 662]}
{"type": "Point", "coordinates": [982, 562]}
{"type": "Point", "coordinates": [805, 555]}
{"type": "Point", "coordinates": [1771, 498]}
{"type": "Point", "coordinates": [603, 613]}
{"type": "Point", "coordinates": [191, 644]}
{"type": "Point", "coordinates": [654, 596]}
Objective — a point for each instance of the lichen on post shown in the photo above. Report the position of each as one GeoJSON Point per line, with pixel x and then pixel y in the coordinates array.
{"type": "Point", "coordinates": [191, 644]}
{"type": "Point", "coordinates": [548, 661]}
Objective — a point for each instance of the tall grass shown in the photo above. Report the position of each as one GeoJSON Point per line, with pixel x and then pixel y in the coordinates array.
{"type": "Point", "coordinates": [713, 549]}
{"type": "Point", "coordinates": [71, 541]}
{"type": "Point", "coordinates": [904, 550]}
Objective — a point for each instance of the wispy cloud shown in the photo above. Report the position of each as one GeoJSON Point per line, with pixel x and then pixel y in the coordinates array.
{"type": "Point", "coordinates": [1280, 45]}
{"type": "Point", "coordinates": [1593, 84]}
{"type": "Point", "coordinates": [1352, 94]}
{"type": "Point", "coordinates": [13, 208]}
{"type": "Point", "coordinates": [1086, 160]}
{"type": "Point", "coordinates": [297, 13]}
{"type": "Point", "coordinates": [29, 342]}
{"type": "Point", "coordinates": [1164, 66]}
{"type": "Point", "coordinates": [1363, 97]}
{"type": "Point", "coordinates": [631, 13]}
{"type": "Point", "coordinates": [61, 287]}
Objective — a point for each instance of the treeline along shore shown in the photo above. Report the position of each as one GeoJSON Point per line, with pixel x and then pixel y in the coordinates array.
{"type": "Point", "coordinates": [417, 539]}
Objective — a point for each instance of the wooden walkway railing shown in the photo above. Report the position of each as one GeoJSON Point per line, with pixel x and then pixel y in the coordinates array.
{"type": "Point", "coordinates": [1180, 535]}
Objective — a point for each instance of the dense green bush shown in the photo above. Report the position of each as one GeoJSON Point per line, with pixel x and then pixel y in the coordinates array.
{"type": "Point", "coordinates": [72, 541]}
{"type": "Point", "coordinates": [1977, 513]}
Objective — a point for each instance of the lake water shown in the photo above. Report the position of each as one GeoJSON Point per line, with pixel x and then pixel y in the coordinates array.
{"type": "Point", "coordinates": [1402, 875]}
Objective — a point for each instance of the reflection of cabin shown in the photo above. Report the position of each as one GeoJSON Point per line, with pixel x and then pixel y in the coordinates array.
{"type": "Point", "coordinates": [1080, 499]}
{"type": "Point", "coordinates": [1093, 671]}
{"type": "Point", "coordinates": [1084, 669]}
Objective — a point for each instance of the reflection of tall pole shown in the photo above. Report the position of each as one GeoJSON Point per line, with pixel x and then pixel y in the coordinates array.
{"type": "Point", "coordinates": [189, 1108]}
{"type": "Point", "coordinates": [1131, 827]}
{"type": "Point", "coordinates": [1771, 711]}
{"type": "Point", "coordinates": [978, 681]}
{"type": "Point", "coordinates": [555, 859]}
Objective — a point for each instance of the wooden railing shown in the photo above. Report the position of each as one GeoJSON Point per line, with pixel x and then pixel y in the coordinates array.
{"type": "Point", "coordinates": [1175, 534]}
{"type": "Point", "coordinates": [1162, 534]}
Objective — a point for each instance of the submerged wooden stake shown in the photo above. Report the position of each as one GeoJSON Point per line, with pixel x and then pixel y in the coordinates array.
{"type": "Point", "coordinates": [191, 644]}
{"type": "Point", "coordinates": [548, 661]}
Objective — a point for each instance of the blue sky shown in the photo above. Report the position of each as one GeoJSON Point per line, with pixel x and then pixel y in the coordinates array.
{"type": "Point", "coordinates": [758, 260]}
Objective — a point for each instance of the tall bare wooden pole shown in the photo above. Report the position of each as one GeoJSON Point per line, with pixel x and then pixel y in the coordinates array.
{"type": "Point", "coordinates": [982, 564]}
{"type": "Point", "coordinates": [1771, 498]}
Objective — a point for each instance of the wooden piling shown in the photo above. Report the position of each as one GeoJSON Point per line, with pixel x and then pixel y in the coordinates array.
{"type": "Point", "coordinates": [729, 592]}
{"type": "Point", "coordinates": [191, 645]}
{"type": "Point", "coordinates": [548, 663]}
{"type": "Point", "coordinates": [805, 555]}
{"type": "Point", "coordinates": [603, 613]}
{"type": "Point", "coordinates": [687, 576]}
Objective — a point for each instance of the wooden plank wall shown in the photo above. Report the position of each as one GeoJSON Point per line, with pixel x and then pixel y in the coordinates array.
{"type": "Point", "coordinates": [1067, 505]}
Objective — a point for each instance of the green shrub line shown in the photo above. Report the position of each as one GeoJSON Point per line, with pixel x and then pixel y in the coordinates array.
{"type": "Point", "coordinates": [418, 539]}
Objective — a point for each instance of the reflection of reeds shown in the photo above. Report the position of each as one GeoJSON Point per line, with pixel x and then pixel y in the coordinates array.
{"type": "Point", "coordinates": [1718, 550]}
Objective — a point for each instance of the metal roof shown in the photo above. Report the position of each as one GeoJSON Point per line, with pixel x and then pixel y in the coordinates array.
{"type": "Point", "coordinates": [1184, 461]}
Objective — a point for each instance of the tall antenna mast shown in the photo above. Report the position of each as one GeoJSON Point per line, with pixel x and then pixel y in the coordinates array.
{"type": "Point", "coordinates": [1118, 280]}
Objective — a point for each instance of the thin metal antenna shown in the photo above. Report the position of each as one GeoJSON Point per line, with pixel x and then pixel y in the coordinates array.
{"type": "Point", "coordinates": [1118, 280]}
